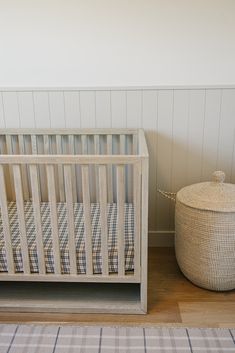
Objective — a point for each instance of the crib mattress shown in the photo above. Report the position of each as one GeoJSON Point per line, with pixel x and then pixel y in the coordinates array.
{"type": "Point", "coordinates": [63, 235]}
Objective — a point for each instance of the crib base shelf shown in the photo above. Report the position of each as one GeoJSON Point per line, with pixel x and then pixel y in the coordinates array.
{"type": "Point", "coordinates": [70, 297]}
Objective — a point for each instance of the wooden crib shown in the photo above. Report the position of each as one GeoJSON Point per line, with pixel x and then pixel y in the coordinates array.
{"type": "Point", "coordinates": [74, 208]}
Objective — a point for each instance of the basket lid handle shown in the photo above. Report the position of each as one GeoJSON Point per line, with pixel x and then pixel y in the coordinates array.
{"type": "Point", "coordinates": [169, 195]}
{"type": "Point", "coordinates": [218, 176]}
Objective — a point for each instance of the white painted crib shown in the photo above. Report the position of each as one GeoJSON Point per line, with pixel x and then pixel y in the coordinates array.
{"type": "Point", "coordinates": [74, 208]}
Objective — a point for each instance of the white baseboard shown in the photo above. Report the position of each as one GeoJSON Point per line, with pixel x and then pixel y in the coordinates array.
{"type": "Point", "coordinates": [161, 238]}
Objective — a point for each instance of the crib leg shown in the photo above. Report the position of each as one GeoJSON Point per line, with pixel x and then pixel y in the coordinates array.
{"type": "Point", "coordinates": [144, 237]}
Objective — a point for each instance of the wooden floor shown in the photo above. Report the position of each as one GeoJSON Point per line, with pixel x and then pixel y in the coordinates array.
{"type": "Point", "coordinates": [173, 301]}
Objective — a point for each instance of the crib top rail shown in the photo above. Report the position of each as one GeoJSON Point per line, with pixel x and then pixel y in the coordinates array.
{"type": "Point", "coordinates": [98, 156]}
{"type": "Point", "coordinates": [68, 131]}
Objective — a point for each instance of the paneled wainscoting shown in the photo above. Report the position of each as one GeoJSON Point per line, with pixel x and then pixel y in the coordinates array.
{"type": "Point", "coordinates": [190, 130]}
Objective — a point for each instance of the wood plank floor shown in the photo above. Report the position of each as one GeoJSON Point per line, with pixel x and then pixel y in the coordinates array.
{"type": "Point", "coordinates": [173, 301]}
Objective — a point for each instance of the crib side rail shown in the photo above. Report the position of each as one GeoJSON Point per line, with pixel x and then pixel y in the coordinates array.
{"type": "Point", "coordinates": [69, 141]}
{"type": "Point", "coordinates": [68, 159]}
{"type": "Point", "coordinates": [87, 144]}
{"type": "Point", "coordinates": [32, 164]}
{"type": "Point", "coordinates": [64, 131]}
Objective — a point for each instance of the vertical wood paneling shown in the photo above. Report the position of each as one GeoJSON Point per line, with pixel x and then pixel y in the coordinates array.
{"type": "Point", "coordinates": [41, 109]}
{"type": "Point", "coordinates": [2, 117]}
{"type": "Point", "coordinates": [179, 145]}
{"type": "Point", "coordinates": [150, 127]}
{"type": "Point", "coordinates": [195, 135]}
{"type": "Point", "coordinates": [72, 109]}
{"type": "Point", "coordinates": [103, 109]}
{"type": "Point", "coordinates": [11, 109]}
{"type": "Point", "coordinates": [87, 106]}
{"type": "Point", "coordinates": [26, 109]}
{"type": "Point", "coordinates": [56, 106]}
{"type": "Point", "coordinates": [134, 120]}
{"type": "Point", "coordinates": [226, 133]}
{"type": "Point", "coordinates": [134, 109]}
{"type": "Point", "coordinates": [180, 139]}
{"type": "Point", "coordinates": [164, 155]}
{"type": "Point", "coordinates": [118, 109]}
{"type": "Point", "coordinates": [211, 132]}
{"type": "Point", "coordinates": [190, 132]}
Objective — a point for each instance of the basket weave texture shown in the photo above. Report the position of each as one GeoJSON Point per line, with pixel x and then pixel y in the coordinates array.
{"type": "Point", "coordinates": [205, 233]}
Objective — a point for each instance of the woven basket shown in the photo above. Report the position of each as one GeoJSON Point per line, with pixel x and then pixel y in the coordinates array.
{"type": "Point", "coordinates": [205, 233]}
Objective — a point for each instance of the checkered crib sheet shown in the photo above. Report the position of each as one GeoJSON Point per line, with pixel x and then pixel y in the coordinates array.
{"type": "Point", "coordinates": [63, 235]}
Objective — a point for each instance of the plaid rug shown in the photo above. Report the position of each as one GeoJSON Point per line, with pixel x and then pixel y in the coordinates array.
{"type": "Point", "coordinates": [63, 235]}
{"type": "Point", "coordinates": [74, 339]}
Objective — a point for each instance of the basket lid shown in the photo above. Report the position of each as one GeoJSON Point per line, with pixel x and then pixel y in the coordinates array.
{"type": "Point", "coordinates": [214, 195]}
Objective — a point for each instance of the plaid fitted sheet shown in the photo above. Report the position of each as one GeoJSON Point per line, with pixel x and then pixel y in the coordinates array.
{"type": "Point", "coordinates": [63, 235]}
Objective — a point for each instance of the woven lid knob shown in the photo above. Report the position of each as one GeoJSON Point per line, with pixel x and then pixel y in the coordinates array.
{"type": "Point", "coordinates": [218, 176]}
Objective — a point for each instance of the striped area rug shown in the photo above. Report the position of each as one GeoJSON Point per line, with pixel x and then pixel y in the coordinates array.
{"type": "Point", "coordinates": [71, 339]}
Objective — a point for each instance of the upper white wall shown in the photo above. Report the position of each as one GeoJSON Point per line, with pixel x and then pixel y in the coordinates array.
{"type": "Point", "coordinates": [112, 43]}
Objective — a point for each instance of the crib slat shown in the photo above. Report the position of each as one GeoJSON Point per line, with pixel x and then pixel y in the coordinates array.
{"type": "Point", "coordinates": [37, 217]}
{"type": "Point", "coordinates": [46, 144]}
{"type": "Point", "coordinates": [10, 151]}
{"type": "Point", "coordinates": [54, 217]}
{"type": "Point", "coordinates": [23, 168]}
{"type": "Point", "coordinates": [84, 144]}
{"type": "Point", "coordinates": [131, 148]}
{"type": "Point", "coordinates": [42, 173]}
{"type": "Point", "coordinates": [97, 152]}
{"type": "Point", "coordinates": [2, 144]}
{"type": "Point", "coordinates": [21, 218]}
{"type": "Point", "coordinates": [34, 144]}
{"type": "Point", "coordinates": [70, 219]}
{"type": "Point", "coordinates": [136, 204]}
{"type": "Point", "coordinates": [97, 144]}
{"type": "Point", "coordinates": [42, 169]}
{"type": "Point", "coordinates": [103, 218]}
{"type": "Point", "coordinates": [121, 219]}
{"type": "Point", "coordinates": [122, 144]}
{"type": "Point", "coordinates": [60, 168]}
{"type": "Point", "coordinates": [5, 223]}
{"type": "Point", "coordinates": [123, 152]}
{"type": "Point", "coordinates": [71, 151]}
{"type": "Point", "coordinates": [78, 172]}
{"type": "Point", "coordinates": [110, 168]}
{"type": "Point", "coordinates": [87, 218]}
{"type": "Point", "coordinates": [135, 144]}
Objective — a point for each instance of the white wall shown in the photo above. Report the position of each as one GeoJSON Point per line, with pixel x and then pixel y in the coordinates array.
{"type": "Point", "coordinates": [117, 42]}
